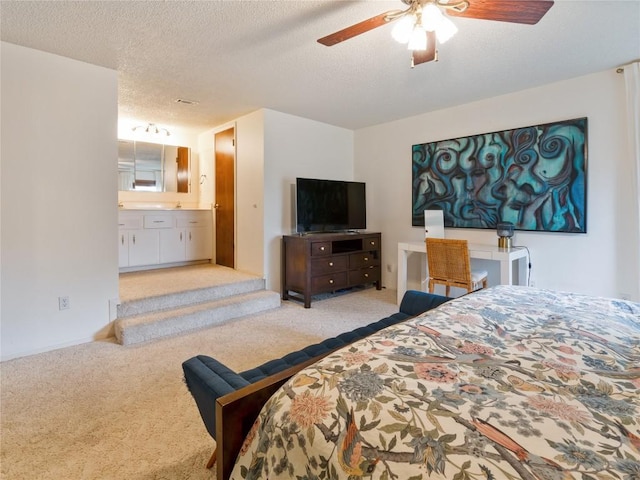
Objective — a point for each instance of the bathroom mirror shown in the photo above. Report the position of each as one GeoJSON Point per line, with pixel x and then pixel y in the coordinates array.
{"type": "Point", "coordinates": [153, 167]}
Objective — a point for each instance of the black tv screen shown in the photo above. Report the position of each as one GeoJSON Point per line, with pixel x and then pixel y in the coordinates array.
{"type": "Point", "coordinates": [330, 205]}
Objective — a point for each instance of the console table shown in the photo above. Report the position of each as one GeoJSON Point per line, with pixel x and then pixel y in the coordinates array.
{"type": "Point", "coordinates": [506, 257]}
{"type": "Point", "coordinates": [326, 262]}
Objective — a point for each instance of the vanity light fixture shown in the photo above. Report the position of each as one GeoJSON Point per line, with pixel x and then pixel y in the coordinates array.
{"type": "Point", "coordinates": [153, 129]}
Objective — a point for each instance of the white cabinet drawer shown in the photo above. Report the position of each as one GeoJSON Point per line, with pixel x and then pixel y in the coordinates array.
{"type": "Point", "coordinates": [129, 221]}
{"type": "Point", "coordinates": [193, 219]}
{"type": "Point", "coordinates": [158, 221]}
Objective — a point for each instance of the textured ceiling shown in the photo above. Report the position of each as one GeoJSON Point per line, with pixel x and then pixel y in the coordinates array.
{"type": "Point", "coordinates": [234, 57]}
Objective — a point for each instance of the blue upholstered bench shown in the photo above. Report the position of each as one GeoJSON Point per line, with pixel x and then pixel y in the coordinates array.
{"type": "Point", "coordinates": [208, 379]}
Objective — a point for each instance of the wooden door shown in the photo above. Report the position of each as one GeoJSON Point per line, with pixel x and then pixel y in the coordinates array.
{"type": "Point", "coordinates": [225, 196]}
{"type": "Point", "coordinates": [183, 169]}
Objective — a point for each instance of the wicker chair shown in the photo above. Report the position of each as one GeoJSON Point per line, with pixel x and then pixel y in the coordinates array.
{"type": "Point", "coordinates": [449, 265]}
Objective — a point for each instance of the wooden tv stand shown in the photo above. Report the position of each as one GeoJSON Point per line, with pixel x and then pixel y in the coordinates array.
{"type": "Point", "coordinates": [326, 262]}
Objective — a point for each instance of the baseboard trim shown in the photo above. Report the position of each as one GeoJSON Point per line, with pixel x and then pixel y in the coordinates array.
{"type": "Point", "coordinates": [27, 353]}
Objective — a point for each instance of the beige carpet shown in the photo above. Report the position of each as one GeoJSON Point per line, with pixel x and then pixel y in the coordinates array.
{"type": "Point", "coordinates": [106, 411]}
{"type": "Point", "coordinates": [150, 283]}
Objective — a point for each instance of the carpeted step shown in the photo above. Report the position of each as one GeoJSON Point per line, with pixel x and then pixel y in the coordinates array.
{"type": "Point", "coordinates": [189, 297]}
{"type": "Point", "coordinates": [148, 326]}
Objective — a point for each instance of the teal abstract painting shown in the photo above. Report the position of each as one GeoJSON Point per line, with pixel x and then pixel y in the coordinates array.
{"type": "Point", "coordinates": [534, 177]}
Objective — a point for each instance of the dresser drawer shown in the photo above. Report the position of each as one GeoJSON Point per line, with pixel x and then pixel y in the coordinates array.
{"type": "Point", "coordinates": [320, 248]}
{"type": "Point", "coordinates": [332, 281]}
{"type": "Point", "coordinates": [363, 259]}
{"type": "Point", "coordinates": [371, 243]}
{"type": "Point", "coordinates": [364, 275]}
{"type": "Point", "coordinates": [320, 266]}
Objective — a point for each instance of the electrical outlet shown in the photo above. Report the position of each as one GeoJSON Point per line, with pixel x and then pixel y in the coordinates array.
{"type": "Point", "coordinates": [63, 303]}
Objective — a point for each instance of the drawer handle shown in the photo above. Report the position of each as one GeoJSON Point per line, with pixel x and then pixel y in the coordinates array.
{"type": "Point", "coordinates": [158, 221]}
{"type": "Point", "coordinates": [366, 275]}
{"type": "Point", "coordinates": [322, 249]}
{"type": "Point", "coordinates": [331, 281]}
{"type": "Point", "coordinates": [189, 236]}
{"type": "Point", "coordinates": [122, 239]}
{"type": "Point", "coordinates": [366, 259]}
{"type": "Point", "coordinates": [134, 239]}
{"type": "Point", "coordinates": [193, 221]}
{"type": "Point", "coordinates": [373, 242]}
{"type": "Point", "coordinates": [121, 224]}
{"type": "Point", "coordinates": [180, 236]}
{"type": "Point", "coordinates": [331, 264]}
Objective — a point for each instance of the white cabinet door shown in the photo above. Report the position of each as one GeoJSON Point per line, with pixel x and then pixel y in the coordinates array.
{"type": "Point", "coordinates": [123, 249]}
{"type": "Point", "coordinates": [127, 222]}
{"type": "Point", "coordinates": [198, 231]}
{"type": "Point", "coordinates": [149, 238]}
{"type": "Point", "coordinates": [172, 245]}
{"type": "Point", "coordinates": [198, 243]}
{"type": "Point", "coordinates": [144, 247]}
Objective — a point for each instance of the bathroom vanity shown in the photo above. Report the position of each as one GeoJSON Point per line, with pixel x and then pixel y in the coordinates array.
{"type": "Point", "coordinates": [162, 238]}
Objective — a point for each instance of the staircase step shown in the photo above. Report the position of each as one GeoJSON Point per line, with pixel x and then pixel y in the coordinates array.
{"type": "Point", "coordinates": [150, 325]}
{"type": "Point", "coordinates": [189, 297]}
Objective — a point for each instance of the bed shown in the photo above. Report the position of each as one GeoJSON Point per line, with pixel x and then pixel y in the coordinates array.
{"type": "Point", "coordinates": [508, 382]}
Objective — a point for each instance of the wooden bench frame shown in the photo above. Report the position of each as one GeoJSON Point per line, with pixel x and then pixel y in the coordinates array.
{"type": "Point", "coordinates": [237, 411]}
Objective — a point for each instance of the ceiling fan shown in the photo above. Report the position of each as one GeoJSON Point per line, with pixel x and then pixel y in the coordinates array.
{"type": "Point", "coordinates": [423, 21]}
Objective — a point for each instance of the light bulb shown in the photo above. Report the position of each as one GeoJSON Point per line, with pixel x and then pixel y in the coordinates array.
{"type": "Point", "coordinates": [402, 30]}
{"type": "Point", "coordinates": [445, 30]}
{"type": "Point", "coordinates": [431, 17]}
{"type": "Point", "coordinates": [418, 40]}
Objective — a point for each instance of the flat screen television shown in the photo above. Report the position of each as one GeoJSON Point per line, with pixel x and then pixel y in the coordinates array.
{"type": "Point", "coordinates": [330, 205]}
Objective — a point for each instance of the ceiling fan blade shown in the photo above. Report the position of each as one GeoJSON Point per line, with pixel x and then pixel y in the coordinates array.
{"type": "Point", "coordinates": [515, 11]}
{"type": "Point", "coordinates": [428, 55]}
{"type": "Point", "coordinates": [353, 30]}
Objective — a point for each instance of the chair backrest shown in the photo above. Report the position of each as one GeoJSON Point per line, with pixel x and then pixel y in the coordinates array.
{"type": "Point", "coordinates": [448, 261]}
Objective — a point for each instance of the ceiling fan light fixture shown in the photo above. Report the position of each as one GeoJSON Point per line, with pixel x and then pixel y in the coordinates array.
{"type": "Point", "coordinates": [403, 28]}
{"type": "Point", "coordinates": [425, 23]}
{"type": "Point", "coordinates": [446, 30]}
{"type": "Point", "coordinates": [418, 40]}
{"type": "Point", "coordinates": [433, 20]}
{"type": "Point", "coordinates": [431, 17]}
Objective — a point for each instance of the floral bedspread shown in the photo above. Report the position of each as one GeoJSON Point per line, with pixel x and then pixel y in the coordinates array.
{"type": "Point", "coordinates": [505, 383]}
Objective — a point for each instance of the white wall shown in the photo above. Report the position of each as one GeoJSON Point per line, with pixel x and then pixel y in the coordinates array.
{"type": "Point", "coordinates": [250, 203]}
{"type": "Point", "coordinates": [249, 180]}
{"type": "Point", "coordinates": [272, 149]}
{"type": "Point", "coordinates": [58, 200]}
{"type": "Point", "coordinates": [296, 147]}
{"type": "Point", "coordinates": [600, 262]}
{"type": "Point", "coordinates": [205, 168]}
